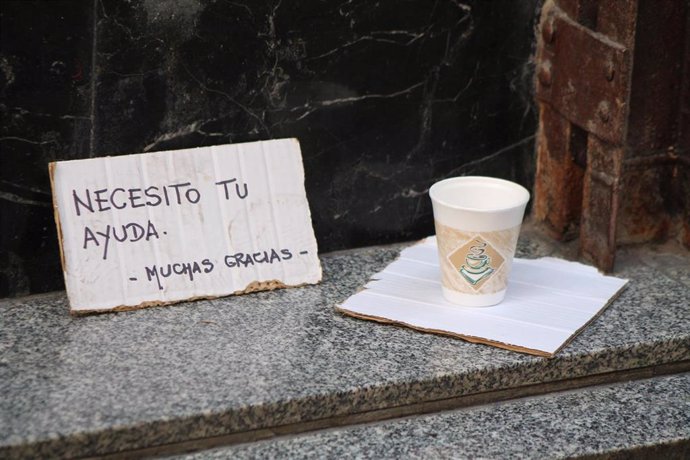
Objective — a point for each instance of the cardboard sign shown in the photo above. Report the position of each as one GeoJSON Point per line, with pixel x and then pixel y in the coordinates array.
{"type": "Point", "coordinates": [156, 228]}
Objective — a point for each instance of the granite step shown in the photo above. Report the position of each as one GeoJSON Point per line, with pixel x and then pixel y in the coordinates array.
{"type": "Point", "coordinates": [641, 419]}
{"type": "Point", "coordinates": [246, 367]}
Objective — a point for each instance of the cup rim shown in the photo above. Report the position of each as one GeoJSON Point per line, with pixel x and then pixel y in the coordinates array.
{"type": "Point", "coordinates": [433, 193]}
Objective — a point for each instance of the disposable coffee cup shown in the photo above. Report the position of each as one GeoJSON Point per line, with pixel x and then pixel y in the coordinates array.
{"type": "Point", "coordinates": [477, 223]}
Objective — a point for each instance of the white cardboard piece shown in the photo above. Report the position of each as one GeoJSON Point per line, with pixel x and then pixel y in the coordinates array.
{"type": "Point", "coordinates": [157, 228]}
{"type": "Point", "coordinates": [548, 302]}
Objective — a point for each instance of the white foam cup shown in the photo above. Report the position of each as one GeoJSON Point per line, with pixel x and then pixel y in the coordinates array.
{"type": "Point", "coordinates": [477, 223]}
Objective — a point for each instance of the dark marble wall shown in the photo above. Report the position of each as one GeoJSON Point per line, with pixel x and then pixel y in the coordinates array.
{"type": "Point", "coordinates": [385, 97]}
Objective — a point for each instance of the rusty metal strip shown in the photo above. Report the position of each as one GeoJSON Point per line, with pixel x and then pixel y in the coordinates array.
{"type": "Point", "coordinates": [584, 75]}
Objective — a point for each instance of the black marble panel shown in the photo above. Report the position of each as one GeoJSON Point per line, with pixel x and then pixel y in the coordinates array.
{"type": "Point", "coordinates": [385, 97]}
{"type": "Point", "coordinates": [45, 104]}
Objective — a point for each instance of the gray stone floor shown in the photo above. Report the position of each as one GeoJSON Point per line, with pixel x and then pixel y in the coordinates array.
{"type": "Point", "coordinates": [201, 370]}
{"type": "Point", "coordinates": [624, 418]}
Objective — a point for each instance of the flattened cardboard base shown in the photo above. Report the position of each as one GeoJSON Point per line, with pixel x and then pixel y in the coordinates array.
{"type": "Point", "coordinates": [467, 338]}
{"type": "Point", "coordinates": [549, 301]}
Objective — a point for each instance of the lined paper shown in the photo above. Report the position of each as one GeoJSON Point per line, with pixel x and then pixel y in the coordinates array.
{"type": "Point", "coordinates": [548, 302]}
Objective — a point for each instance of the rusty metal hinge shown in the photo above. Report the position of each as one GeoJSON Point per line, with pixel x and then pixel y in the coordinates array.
{"type": "Point", "coordinates": [584, 75]}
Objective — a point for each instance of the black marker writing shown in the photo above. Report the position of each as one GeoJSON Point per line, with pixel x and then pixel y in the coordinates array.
{"type": "Point", "coordinates": [159, 273]}
{"type": "Point", "coordinates": [245, 259]}
{"type": "Point", "coordinates": [240, 194]}
{"type": "Point", "coordinates": [188, 269]}
{"type": "Point", "coordinates": [131, 232]}
{"type": "Point", "coordinates": [119, 198]}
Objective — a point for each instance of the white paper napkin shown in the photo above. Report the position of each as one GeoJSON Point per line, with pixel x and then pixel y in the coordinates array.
{"type": "Point", "coordinates": [548, 302]}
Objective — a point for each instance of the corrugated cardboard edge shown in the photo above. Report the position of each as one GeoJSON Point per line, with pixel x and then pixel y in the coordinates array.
{"type": "Point", "coordinates": [468, 338]}
{"type": "Point", "coordinates": [254, 286]}
{"type": "Point", "coordinates": [474, 339]}
{"type": "Point", "coordinates": [56, 215]}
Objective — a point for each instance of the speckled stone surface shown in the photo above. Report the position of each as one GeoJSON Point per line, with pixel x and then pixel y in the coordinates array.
{"type": "Point", "coordinates": [114, 382]}
{"type": "Point", "coordinates": [601, 420]}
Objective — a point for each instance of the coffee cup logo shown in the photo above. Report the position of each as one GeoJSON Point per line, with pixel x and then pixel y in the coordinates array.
{"type": "Point", "coordinates": [476, 261]}
{"type": "Point", "coordinates": [477, 264]}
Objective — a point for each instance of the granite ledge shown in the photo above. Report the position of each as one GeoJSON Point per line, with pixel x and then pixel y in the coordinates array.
{"type": "Point", "coordinates": [641, 418]}
{"type": "Point", "coordinates": [114, 383]}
